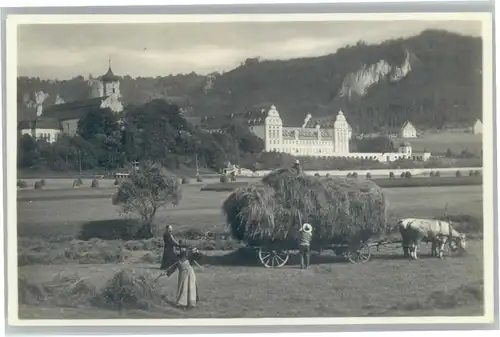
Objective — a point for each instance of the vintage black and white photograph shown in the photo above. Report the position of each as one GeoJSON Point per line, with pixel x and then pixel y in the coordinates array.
{"type": "Point", "coordinates": [269, 166]}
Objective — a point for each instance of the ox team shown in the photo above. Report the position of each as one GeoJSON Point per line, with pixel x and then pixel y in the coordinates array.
{"type": "Point", "coordinates": [414, 231]}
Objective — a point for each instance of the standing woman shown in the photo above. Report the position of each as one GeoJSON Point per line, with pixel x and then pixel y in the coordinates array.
{"type": "Point", "coordinates": [169, 255]}
{"type": "Point", "coordinates": [187, 290]}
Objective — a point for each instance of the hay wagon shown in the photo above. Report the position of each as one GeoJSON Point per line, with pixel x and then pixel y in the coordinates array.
{"type": "Point", "coordinates": [277, 254]}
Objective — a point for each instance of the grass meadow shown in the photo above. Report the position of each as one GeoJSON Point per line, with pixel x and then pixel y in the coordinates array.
{"type": "Point", "coordinates": [60, 276]}
{"type": "Point", "coordinates": [438, 143]}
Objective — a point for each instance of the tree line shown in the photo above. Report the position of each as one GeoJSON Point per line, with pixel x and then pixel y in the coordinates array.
{"type": "Point", "coordinates": [155, 131]}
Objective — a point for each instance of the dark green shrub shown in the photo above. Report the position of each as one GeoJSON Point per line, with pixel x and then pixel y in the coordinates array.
{"type": "Point", "coordinates": [115, 229]}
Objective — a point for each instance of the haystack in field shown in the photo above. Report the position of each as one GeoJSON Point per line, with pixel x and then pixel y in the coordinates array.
{"type": "Point", "coordinates": [127, 290]}
{"type": "Point", "coordinates": [340, 210]}
{"type": "Point", "coordinates": [71, 290]}
{"type": "Point", "coordinates": [30, 292]}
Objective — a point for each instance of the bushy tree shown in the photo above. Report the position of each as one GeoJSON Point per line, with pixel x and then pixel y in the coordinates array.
{"type": "Point", "coordinates": [146, 191]}
{"type": "Point", "coordinates": [97, 122]}
{"type": "Point", "coordinates": [27, 154]}
{"type": "Point", "coordinates": [377, 144]}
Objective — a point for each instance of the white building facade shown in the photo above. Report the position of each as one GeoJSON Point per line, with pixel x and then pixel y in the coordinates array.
{"type": "Point", "coordinates": [408, 131]}
{"type": "Point", "coordinates": [321, 142]}
{"type": "Point", "coordinates": [47, 129]}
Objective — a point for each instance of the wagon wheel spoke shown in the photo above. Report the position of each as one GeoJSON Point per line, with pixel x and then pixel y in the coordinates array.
{"type": "Point", "coordinates": [280, 259]}
{"type": "Point", "coordinates": [265, 258]}
{"type": "Point", "coordinates": [273, 259]}
{"type": "Point", "coordinates": [351, 257]}
{"type": "Point", "coordinates": [364, 253]}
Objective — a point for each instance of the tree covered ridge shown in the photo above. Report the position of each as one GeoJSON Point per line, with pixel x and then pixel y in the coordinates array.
{"type": "Point", "coordinates": [444, 87]}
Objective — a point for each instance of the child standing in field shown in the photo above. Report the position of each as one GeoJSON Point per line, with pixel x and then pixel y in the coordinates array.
{"type": "Point", "coordinates": [305, 245]}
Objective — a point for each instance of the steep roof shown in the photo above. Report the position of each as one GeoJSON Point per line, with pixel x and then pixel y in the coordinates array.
{"type": "Point", "coordinates": [73, 110]}
{"type": "Point", "coordinates": [407, 123]}
{"type": "Point", "coordinates": [250, 118]}
{"type": "Point", "coordinates": [325, 122]}
{"type": "Point", "coordinates": [109, 76]}
{"type": "Point", "coordinates": [40, 123]}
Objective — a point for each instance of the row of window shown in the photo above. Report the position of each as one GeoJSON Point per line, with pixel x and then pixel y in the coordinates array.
{"type": "Point", "coordinates": [303, 141]}
{"type": "Point", "coordinates": [299, 150]}
{"type": "Point", "coordinates": [48, 137]}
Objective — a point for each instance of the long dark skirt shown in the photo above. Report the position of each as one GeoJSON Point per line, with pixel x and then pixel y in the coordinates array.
{"type": "Point", "coordinates": [168, 259]}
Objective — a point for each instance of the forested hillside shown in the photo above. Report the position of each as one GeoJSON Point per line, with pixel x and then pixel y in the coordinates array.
{"type": "Point", "coordinates": [443, 86]}
{"type": "Point", "coordinates": [432, 79]}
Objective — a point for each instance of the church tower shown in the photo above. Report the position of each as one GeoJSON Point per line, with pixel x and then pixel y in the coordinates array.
{"type": "Point", "coordinates": [273, 130]}
{"type": "Point", "coordinates": [106, 85]}
{"type": "Point", "coordinates": [341, 134]}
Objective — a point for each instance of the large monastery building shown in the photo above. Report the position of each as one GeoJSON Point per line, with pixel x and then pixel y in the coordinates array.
{"type": "Point", "coordinates": [311, 139]}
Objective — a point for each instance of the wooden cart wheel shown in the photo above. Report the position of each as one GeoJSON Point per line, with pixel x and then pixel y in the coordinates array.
{"type": "Point", "coordinates": [363, 254]}
{"type": "Point", "coordinates": [273, 258]}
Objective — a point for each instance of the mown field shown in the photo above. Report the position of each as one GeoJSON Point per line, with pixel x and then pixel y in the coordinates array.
{"type": "Point", "coordinates": [231, 284]}
{"type": "Point", "coordinates": [438, 143]}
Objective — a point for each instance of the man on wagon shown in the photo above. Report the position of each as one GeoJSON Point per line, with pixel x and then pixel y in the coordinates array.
{"type": "Point", "coordinates": [296, 167]}
{"type": "Point", "coordinates": [305, 245]}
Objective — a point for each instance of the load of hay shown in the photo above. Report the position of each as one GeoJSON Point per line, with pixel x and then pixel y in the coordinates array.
{"type": "Point", "coordinates": [340, 210]}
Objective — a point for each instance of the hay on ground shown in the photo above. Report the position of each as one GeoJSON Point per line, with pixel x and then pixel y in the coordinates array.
{"type": "Point", "coordinates": [128, 290]}
{"type": "Point", "coordinates": [94, 183]}
{"type": "Point", "coordinates": [71, 290]}
{"type": "Point", "coordinates": [67, 290]}
{"type": "Point", "coordinates": [30, 292]}
{"type": "Point", "coordinates": [340, 210]}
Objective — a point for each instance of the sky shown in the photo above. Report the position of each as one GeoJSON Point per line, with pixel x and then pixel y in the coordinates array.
{"type": "Point", "coordinates": [62, 51]}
